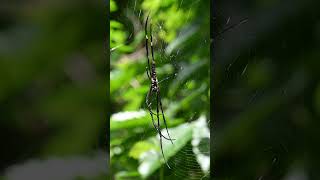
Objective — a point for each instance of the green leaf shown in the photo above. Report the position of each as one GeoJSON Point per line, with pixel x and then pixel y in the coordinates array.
{"type": "Point", "coordinates": [187, 101]}
{"type": "Point", "coordinates": [185, 35]}
{"type": "Point", "coordinates": [132, 119]}
{"type": "Point", "coordinates": [126, 175]}
{"type": "Point", "coordinates": [188, 71]}
{"type": "Point", "coordinates": [113, 6]}
{"type": "Point", "coordinates": [151, 163]}
{"type": "Point", "coordinates": [200, 143]}
{"type": "Point", "coordinates": [129, 119]}
{"type": "Point", "coordinates": [139, 148]}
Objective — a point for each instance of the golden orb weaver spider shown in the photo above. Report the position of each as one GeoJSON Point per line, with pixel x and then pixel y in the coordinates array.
{"type": "Point", "coordinates": [155, 89]}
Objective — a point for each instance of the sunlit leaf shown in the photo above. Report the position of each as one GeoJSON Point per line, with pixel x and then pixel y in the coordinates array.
{"type": "Point", "coordinates": [113, 6]}
{"type": "Point", "coordinates": [200, 143]}
{"type": "Point", "coordinates": [150, 163]}
{"type": "Point", "coordinates": [126, 175]}
{"type": "Point", "coordinates": [132, 119]}
{"type": "Point", "coordinates": [184, 133]}
{"type": "Point", "coordinates": [139, 148]}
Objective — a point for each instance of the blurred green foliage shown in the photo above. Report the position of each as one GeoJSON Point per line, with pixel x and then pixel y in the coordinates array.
{"type": "Point", "coordinates": [181, 42]}
{"type": "Point", "coordinates": [52, 81]}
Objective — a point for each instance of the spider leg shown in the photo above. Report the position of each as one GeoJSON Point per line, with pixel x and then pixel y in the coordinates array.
{"type": "Point", "coordinates": [166, 78]}
{"type": "Point", "coordinates": [163, 153]}
{"type": "Point", "coordinates": [151, 43]}
{"type": "Point", "coordinates": [147, 39]}
{"type": "Point", "coordinates": [152, 113]}
{"type": "Point", "coordinates": [148, 73]}
{"type": "Point", "coordinates": [149, 104]}
{"type": "Point", "coordinates": [155, 113]}
{"type": "Point", "coordinates": [163, 79]}
{"type": "Point", "coordinates": [160, 135]}
{"type": "Point", "coordinates": [164, 119]}
{"type": "Point", "coordinates": [149, 107]}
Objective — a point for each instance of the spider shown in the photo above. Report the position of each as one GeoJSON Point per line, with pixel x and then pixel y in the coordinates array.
{"type": "Point", "coordinates": [155, 89]}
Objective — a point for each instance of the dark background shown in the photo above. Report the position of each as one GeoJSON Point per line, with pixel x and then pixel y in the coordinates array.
{"type": "Point", "coordinates": [53, 89]}
{"type": "Point", "coordinates": [266, 90]}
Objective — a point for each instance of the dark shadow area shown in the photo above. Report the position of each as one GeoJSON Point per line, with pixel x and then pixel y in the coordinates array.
{"type": "Point", "coordinates": [266, 95]}
{"type": "Point", "coordinates": [53, 89]}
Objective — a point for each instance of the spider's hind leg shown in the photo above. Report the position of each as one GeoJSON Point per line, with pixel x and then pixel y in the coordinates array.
{"type": "Point", "coordinates": [159, 103]}
{"type": "Point", "coordinates": [160, 134]}
{"type": "Point", "coordinates": [163, 153]}
{"type": "Point", "coordinates": [152, 113]}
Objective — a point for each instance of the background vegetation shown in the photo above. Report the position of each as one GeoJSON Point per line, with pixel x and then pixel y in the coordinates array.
{"type": "Point", "coordinates": [181, 38]}
{"type": "Point", "coordinates": [266, 91]}
{"type": "Point", "coordinates": [52, 90]}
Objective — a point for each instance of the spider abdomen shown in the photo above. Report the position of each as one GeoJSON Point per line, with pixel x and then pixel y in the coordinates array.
{"type": "Point", "coordinates": [154, 84]}
{"type": "Point", "coordinates": [154, 80]}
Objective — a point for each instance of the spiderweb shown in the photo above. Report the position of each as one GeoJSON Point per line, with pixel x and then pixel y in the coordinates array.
{"type": "Point", "coordinates": [184, 82]}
